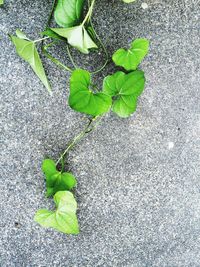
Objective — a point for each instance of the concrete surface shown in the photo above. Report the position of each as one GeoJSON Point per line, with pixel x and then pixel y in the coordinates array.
{"type": "Point", "coordinates": [138, 178]}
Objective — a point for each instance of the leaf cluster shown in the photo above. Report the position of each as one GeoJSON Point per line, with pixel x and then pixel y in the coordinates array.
{"type": "Point", "coordinates": [120, 90]}
{"type": "Point", "coordinates": [119, 93]}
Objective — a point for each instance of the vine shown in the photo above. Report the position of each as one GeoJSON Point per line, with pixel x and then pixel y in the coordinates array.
{"type": "Point", "coordinates": [119, 93]}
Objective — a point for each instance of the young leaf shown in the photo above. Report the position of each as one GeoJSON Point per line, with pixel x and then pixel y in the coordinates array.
{"type": "Point", "coordinates": [55, 180]}
{"type": "Point", "coordinates": [77, 37]}
{"type": "Point", "coordinates": [52, 34]}
{"type": "Point", "coordinates": [68, 12]}
{"type": "Point", "coordinates": [124, 88]}
{"type": "Point", "coordinates": [1, 2]}
{"type": "Point", "coordinates": [26, 49]}
{"type": "Point", "coordinates": [49, 168]}
{"type": "Point", "coordinates": [21, 35]}
{"type": "Point", "coordinates": [131, 58]}
{"type": "Point", "coordinates": [82, 99]}
{"type": "Point", "coordinates": [63, 219]}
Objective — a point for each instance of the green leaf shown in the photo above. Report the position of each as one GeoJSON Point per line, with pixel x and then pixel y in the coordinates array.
{"type": "Point", "coordinates": [21, 35]}
{"type": "Point", "coordinates": [77, 37]}
{"type": "Point", "coordinates": [26, 49]}
{"type": "Point", "coordinates": [49, 168]}
{"type": "Point", "coordinates": [68, 12]}
{"type": "Point", "coordinates": [82, 99]}
{"type": "Point", "coordinates": [125, 89]}
{"type": "Point", "coordinates": [63, 219]}
{"type": "Point", "coordinates": [1, 2]}
{"type": "Point", "coordinates": [131, 58]}
{"type": "Point", "coordinates": [52, 34]}
{"type": "Point", "coordinates": [55, 180]}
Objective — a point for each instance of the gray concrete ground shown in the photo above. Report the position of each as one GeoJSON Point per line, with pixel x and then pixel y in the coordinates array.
{"type": "Point", "coordinates": [138, 178]}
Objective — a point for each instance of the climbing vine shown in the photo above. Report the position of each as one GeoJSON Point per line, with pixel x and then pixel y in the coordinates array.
{"type": "Point", "coordinates": [119, 93]}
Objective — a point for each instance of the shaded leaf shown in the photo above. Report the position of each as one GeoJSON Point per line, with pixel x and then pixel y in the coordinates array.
{"type": "Point", "coordinates": [68, 12]}
{"type": "Point", "coordinates": [52, 34]}
{"type": "Point", "coordinates": [55, 180]}
{"type": "Point", "coordinates": [82, 99]}
{"type": "Point", "coordinates": [131, 58]}
{"type": "Point", "coordinates": [124, 88]}
{"type": "Point", "coordinates": [63, 219]}
{"type": "Point", "coordinates": [77, 37]}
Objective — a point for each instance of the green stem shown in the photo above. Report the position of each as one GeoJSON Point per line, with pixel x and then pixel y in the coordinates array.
{"type": "Point", "coordinates": [79, 137]}
{"type": "Point", "coordinates": [42, 39]}
{"type": "Point", "coordinates": [51, 13]}
{"type": "Point", "coordinates": [71, 58]}
{"type": "Point", "coordinates": [104, 49]}
{"type": "Point", "coordinates": [100, 41]}
{"type": "Point", "coordinates": [89, 13]}
{"type": "Point", "coordinates": [53, 59]}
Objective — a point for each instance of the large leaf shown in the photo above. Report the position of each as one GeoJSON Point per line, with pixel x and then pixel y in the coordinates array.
{"type": "Point", "coordinates": [124, 88]}
{"type": "Point", "coordinates": [131, 58]}
{"type": "Point", "coordinates": [56, 180]}
{"type": "Point", "coordinates": [77, 37]}
{"type": "Point", "coordinates": [26, 49]}
{"type": "Point", "coordinates": [68, 12]}
{"type": "Point", "coordinates": [81, 97]}
{"type": "Point", "coordinates": [64, 217]}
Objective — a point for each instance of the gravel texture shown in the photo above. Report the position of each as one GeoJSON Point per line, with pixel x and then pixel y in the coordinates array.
{"type": "Point", "coordinates": [138, 178]}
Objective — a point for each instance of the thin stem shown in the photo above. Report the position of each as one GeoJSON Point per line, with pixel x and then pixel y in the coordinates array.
{"type": "Point", "coordinates": [42, 39]}
{"type": "Point", "coordinates": [70, 57]}
{"type": "Point", "coordinates": [77, 138]}
{"type": "Point", "coordinates": [104, 49]}
{"type": "Point", "coordinates": [101, 43]}
{"type": "Point", "coordinates": [51, 13]}
{"type": "Point", "coordinates": [53, 59]}
{"type": "Point", "coordinates": [89, 13]}
{"type": "Point", "coordinates": [49, 18]}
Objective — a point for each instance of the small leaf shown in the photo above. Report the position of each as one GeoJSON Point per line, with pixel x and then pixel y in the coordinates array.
{"type": "Point", "coordinates": [77, 37]}
{"type": "Point", "coordinates": [1, 2]}
{"type": "Point", "coordinates": [21, 35]}
{"type": "Point", "coordinates": [55, 180]}
{"type": "Point", "coordinates": [52, 34]}
{"type": "Point", "coordinates": [60, 182]}
{"type": "Point", "coordinates": [82, 99]}
{"type": "Point", "coordinates": [131, 58]}
{"type": "Point", "coordinates": [26, 49]}
{"type": "Point", "coordinates": [124, 88]}
{"type": "Point", "coordinates": [68, 12]}
{"type": "Point", "coordinates": [49, 167]}
{"type": "Point", "coordinates": [63, 219]}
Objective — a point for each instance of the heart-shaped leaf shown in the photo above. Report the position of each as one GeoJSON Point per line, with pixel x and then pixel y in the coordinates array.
{"type": "Point", "coordinates": [55, 180]}
{"type": "Point", "coordinates": [77, 37]}
{"type": "Point", "coordinates": [64, 217]}
{"type": "Point", "coordinates": [26, 49]}
{"type": "Point", "coordinates": [131, 58]}
{"type": "Point", "coordinates": [81, 97]}
{"type": "Point", "coordinates": [68, 12]}
{"type": "Point", "coordinates": [124, 88]}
